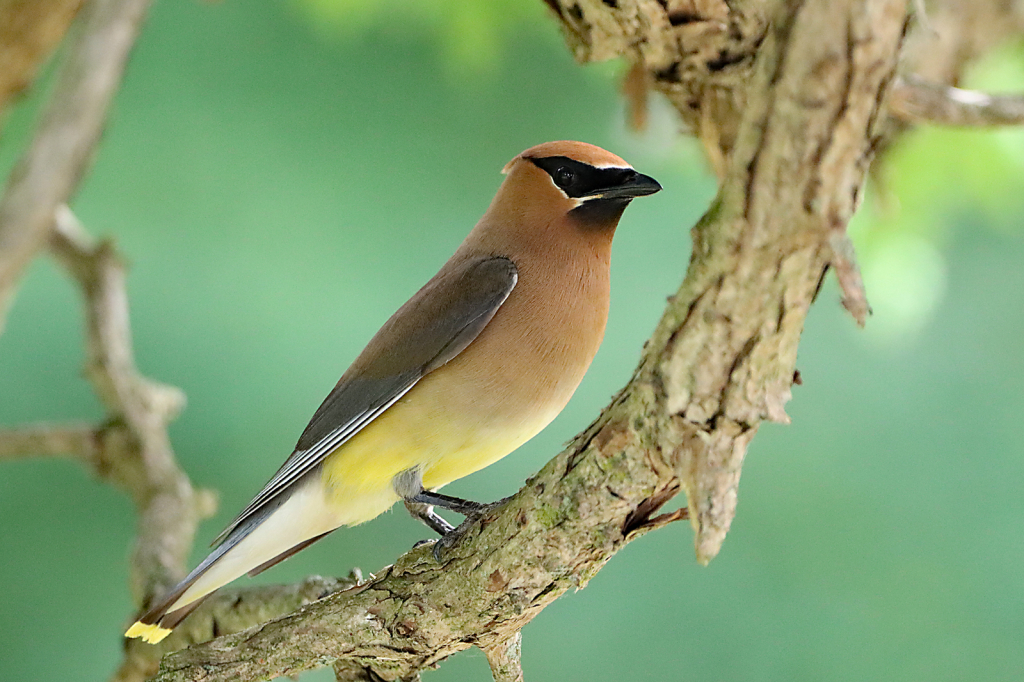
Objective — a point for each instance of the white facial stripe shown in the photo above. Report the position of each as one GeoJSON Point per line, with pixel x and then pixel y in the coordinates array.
{"type": "Point", "coordinates": [576, 201]}
{"type": "Point", "coordinates": [609, 165]}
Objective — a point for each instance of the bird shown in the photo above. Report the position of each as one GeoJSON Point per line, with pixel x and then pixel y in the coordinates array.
{"type": "Point", "coordinates": [476, 363]}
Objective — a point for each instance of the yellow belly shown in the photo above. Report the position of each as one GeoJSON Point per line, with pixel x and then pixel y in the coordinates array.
{"type": "Point", "coordinates": [412, 433]}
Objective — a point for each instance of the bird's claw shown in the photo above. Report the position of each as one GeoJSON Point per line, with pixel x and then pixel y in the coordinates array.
{"type": "Point", "coordinates": [445, 544]}
{"type": "Point", "coordinates": [452, 538]}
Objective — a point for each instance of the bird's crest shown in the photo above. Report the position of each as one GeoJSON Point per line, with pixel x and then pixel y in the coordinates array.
{"type": "Point", "coordinates": [577, 151]}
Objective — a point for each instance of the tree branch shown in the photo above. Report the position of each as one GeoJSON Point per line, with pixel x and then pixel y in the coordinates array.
{"type": "Point", "coordinates": [505, 659]}
{"type": "Point", "coordinates": [227, 612]}
{"type": "Point", "coordinates": [49, 171]}
{"type": "Point", "coordinates": [720, 362]}
{"type": "Point", "coordinates": [956, 34]}
{"type": "Point", "coordinates": [134, 450]}
{"type": "Point", "coordinates": [49, 440]}
{"type": "Point", "coordinates": [917, 101]}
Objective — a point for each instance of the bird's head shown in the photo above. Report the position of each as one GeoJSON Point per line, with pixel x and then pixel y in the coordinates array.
{"type": "Point", "coordinates": [584, 183]}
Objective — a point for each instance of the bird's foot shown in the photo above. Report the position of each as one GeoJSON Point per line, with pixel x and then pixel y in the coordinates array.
{"type": "Point", "coordinates": [422, 506]}
{"type": "Point", "coordinates": [474, 511]}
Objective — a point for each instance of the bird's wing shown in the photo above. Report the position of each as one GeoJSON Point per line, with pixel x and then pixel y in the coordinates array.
{"type": "Point", "coordinates": [434, 326]}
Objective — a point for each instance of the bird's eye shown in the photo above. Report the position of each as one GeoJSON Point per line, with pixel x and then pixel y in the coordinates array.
{"type": "Point", "coordinates": [564, 177]}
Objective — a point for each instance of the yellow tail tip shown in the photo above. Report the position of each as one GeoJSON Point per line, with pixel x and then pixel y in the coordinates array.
{"type": "Point", "coordinates": [151, 633]}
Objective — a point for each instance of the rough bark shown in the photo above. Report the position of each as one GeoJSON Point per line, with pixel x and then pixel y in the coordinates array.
{"type": "Point", "coordinates": [228, 611]}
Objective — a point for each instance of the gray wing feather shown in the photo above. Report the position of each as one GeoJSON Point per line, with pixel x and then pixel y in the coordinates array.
{"type": "Point", "coordinates": [433, 327]}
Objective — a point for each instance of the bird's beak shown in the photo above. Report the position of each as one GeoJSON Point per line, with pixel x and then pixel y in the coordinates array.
{"type": "Point", "coordinates": [636, 185]}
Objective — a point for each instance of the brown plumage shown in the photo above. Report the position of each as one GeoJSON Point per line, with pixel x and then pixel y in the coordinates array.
{"type": "Point", "coordinates": [477, 362]}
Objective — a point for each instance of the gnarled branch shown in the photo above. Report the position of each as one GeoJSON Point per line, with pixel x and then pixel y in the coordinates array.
{"type": "Point", "coordinates": [133, 449]}
{"type": "Point", "coordinates": [229, 611]}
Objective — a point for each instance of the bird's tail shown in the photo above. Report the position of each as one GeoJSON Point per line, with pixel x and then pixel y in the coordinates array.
{"type": "Point", "coordinates": [254, 546]}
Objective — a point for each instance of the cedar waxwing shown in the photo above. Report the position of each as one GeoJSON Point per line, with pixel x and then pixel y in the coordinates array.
{"type": "Point", "coordinates": [476, 363]}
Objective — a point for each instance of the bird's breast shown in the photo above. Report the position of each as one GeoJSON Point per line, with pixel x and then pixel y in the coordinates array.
{"type": "Point", "coordinates": [516, 377]}
{"type": "Point", "coordinates": [499, 392]}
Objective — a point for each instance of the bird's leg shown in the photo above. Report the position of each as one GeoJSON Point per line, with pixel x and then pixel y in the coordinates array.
{"type": "Point", "coordinates": [471, 510]}
{"type": "Point", "coordinates": [421, 502]}
{"type": "Point", "coordinates": [426, 514]}
{"type": "Point", "coordinates": [409, 484]}
{"type": "Point", "coordinates": [458, 505]}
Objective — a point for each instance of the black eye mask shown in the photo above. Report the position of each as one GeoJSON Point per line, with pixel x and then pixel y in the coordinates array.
{"type": "Point", "coordinates": [579, 180]}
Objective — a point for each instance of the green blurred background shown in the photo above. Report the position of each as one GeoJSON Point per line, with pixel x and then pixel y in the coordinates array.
{"type": "Point", "coordinates": [282, 176]}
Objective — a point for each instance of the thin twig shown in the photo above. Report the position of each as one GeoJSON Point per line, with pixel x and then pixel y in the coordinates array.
{"type": "Point", "coordinates": [918, 101]}
{"type": "Point", "coordinates": [49, 440]}
{"type": "Point", "coordinates": [100, 274]}
{"type": "Point", "coordinates": [49, 171]}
